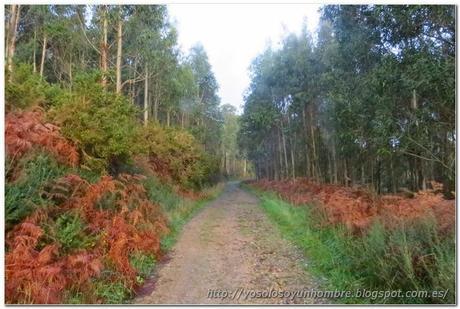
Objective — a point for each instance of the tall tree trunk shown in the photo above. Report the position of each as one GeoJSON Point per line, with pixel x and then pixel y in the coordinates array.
{"type": "Point", "coordinates": [305, 131]}
{"type": "Point", "coordinates": [119, 52]}
{"type": "Point", "coordinates": [315, 165]}
{"type": "Point", "coordinates": [146, 95]}
{"type": "Point", "coordinates": [292, 148]}
{"type": "Point", "coordinates": [70, 74]}
{"type": "Point", "coordinates": [8, 30]}
{"type": "Point", "coordinates": [292, 160]}
{"type": "Point", "coordinates": [280, 155]}
{"type": "Point", "coordinates": [42, 63]}
{"type": "Point", "coordinates": [393, 178]}
{"type": "Point", "coordinates": [34, 56]}
{"type": "Point", "coordinates": [104, 46]}
{"type": "Point", "coordinates": [345, 172]}
{"type": "Point", "coordinates": [286, 170]}
{"type": "Point", "coordinates": [11, 46]}
{"type": "Point", "coordinates": [168, 117]}
{"type": "Point", "coordinates": [156, 101]}
{"type": "Point", "coordinates": [334, 159]}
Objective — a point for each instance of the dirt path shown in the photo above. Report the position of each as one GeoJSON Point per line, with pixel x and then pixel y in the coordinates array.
{"type": "Point", "coordinates": [230, 247]}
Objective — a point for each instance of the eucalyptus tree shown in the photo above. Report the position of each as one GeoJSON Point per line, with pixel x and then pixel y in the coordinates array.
{"type": "Point", "coordinates": [370, 103]}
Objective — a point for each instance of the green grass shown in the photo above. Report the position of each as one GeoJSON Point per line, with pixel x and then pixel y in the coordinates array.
{"type": "Point", "coordinates": [413, 257]}
{"type": "Point", "coordinates": [144, 265]}
{"type": "Point", "coordinates": [112, 292]}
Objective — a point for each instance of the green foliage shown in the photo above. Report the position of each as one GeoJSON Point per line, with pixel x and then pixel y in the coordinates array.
{"type": "Point", "coordinates": [161, 193]}
{"type": "Point", "coordinates": [144, 265]}
{"type": "Point", "coordinates": [111, 292]}
{"type": "Point", "coordinates": [100, 122]}
{"type": "Point", "coordinates": [178, 155]}
{"type": "Point", "coordinates": [69, 230]}
{"type": "Point", "coordinates": [413, 257]}
{"type": "Point", "coordinates": [370, 102]}
{"type": "Point", "coordinates": [28, 90]}
{"type": "Point", "coordinates": [24, 195]}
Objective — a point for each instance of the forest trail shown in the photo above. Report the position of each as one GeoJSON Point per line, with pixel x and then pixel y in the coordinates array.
{"type": "Point", "coordinates": [230, 245]}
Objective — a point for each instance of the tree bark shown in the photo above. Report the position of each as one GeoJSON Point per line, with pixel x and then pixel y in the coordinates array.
{"type": "Point", "coordinates": [315, 167]}
{"type": "Point", "coordinates": [286, 167]}
{"type": "Point", "coordinates": [280, 156]}
{"type": "Point", "coordinates": [42, 63]}
{"type": "Point", "coordinates": [11, 45]}
{"type": "Point", "coordinates": [305, 131]}
{"type": "Point", "coordinates": [119, 52]}
{"type": "Point", "coordinates": [156, 100]}
{"type": "Point", "coordinates": [334, 159]}
{"type": "Point", "coordinates": [104, 46]}
{"type": "Point", "coordinates": [34, 56]}
{"type": "Point", "coordinates": [146, 95]}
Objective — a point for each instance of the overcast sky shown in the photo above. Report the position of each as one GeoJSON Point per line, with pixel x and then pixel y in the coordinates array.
{"type": "Point", "coordinates": [233, 34]}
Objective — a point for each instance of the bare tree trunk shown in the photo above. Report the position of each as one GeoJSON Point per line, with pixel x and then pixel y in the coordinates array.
{"type": "Point", "coordinates": [131, 84]}
{"type": "Point", "coordinates": [119, 52]}
{"type": "Point", "coordinates": [104, 46]}
{"type": "Point", "coordinates": [42, 63]}
{"type": "Point", "coordinates": [393, 178]}
{"type": "Point", "coordinates": [292, 148]}
{"type": "Point", "coordinates": [182, 119]}
{"type": "Point", "coordinates": [307, 157]}
{"type": "Point", "coordinates": [292, 160]}
{"type": "Point", "coordinates": [345, 173]}
{"type": "Point", "coordinates": [334, 159]}
{"type": "Point", "coordinates": [313, 147]}
{"type": "Point", "coordinates": [34, 56]}
{"type": "Point", "coordinates": [70, 73]}
{"type": "Point", "coordinates": [146, 95]}
{"type": "Point", "coordinates": [8, 30]}
{"type": "Point", "coordinates": [13, 26]}
{"type": "Point", "coordinates": [280, 154]}
{"type": "Point", "coordinates": [168, 117]}
{"type": "Point", "coordinates": [286, 171]}
{"type": "Point", "coordinates": [156, 101]}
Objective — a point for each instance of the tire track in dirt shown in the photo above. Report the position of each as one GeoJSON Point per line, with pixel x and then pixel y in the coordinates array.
{"type": "Point", "coordinates": [230, 245]}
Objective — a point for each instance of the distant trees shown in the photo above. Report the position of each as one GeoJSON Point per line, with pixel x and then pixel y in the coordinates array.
{"type": "Point", "coordinates": [134, 48]}
{"type": "Point", "coordinates": [370, 102]}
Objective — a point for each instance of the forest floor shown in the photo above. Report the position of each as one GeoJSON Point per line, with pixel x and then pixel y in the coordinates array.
{"type": "Point", "coordinates": [225, 253]}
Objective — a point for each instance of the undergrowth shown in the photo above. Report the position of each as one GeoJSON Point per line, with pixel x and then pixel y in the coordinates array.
{"type": "Point", "coordinates": [24, 195]}
{"type": "Point", "coordinates": [93, 199]}
{"type": "Point", "coordinates": [413, 257]}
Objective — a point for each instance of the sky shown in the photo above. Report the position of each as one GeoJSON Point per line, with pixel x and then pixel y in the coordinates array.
{"type": "Point", "coordinates": [234, 34]}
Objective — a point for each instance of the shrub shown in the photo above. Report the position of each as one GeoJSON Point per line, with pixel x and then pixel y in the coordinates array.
{"type": "Point", "coordinates": [69, 232]}
{"type": "Point", "coordinates": [101, 123]}
{"type": "Point", "coordinates": [24, 195]}
{"type": "Point", "coordinates": [175, 154]}
{"type": "Point", "coordinates": [67, 245]}
{"type": "Point", "coordinates": [29, 89]}
{"type": "Point", "coordinates": [161, 193]}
